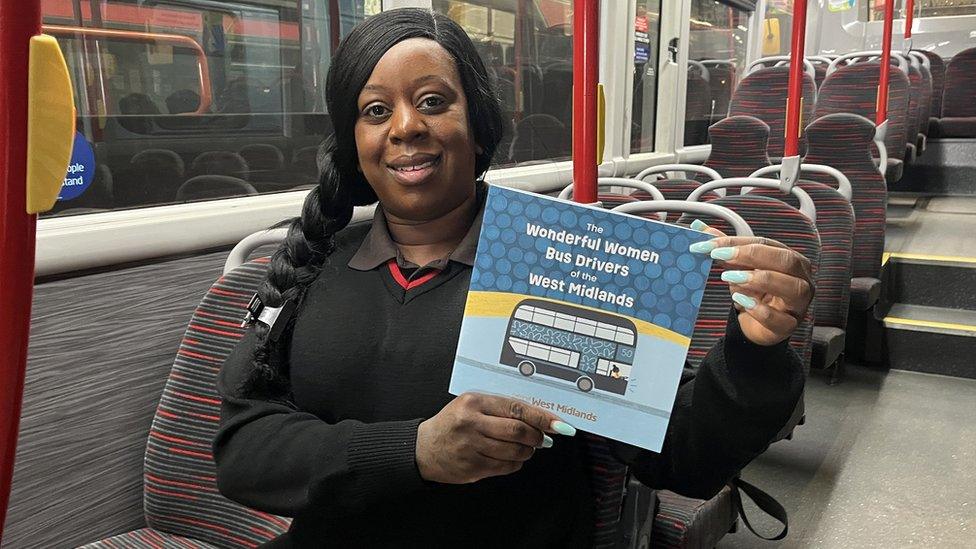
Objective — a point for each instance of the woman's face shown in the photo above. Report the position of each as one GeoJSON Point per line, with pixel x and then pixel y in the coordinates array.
{"type": "Point", "coordinates": [416, 147]}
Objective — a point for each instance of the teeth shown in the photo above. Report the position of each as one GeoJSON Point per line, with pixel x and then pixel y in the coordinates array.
{"type": "Point", "coordinates": [416, 168]}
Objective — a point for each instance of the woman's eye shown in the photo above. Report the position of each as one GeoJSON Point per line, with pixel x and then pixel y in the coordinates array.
{"type": "Point", "coordinates": [431, 102]}
{"type": "Point", "coordinates": [375, 111]}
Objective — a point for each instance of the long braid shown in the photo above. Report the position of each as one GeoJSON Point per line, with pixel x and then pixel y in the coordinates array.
{"type": "Point", "coordinates": [294, 265]}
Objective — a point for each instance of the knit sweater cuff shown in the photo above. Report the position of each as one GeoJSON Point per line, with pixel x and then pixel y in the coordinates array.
{"type": "Point", "coordinates": [382, 456]}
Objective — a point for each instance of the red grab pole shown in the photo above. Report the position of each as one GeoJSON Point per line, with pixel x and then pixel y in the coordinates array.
{"type": "Point", "coordinates": [795, 101]}
{"type": "Point", "coordinates": [909, 17]}
{"type": "Point", "coordinates": [586, 65]}
{"type": "Point", "coordinates": [19, 21]}
{"type": "Point", "coordinates": [882, 108]}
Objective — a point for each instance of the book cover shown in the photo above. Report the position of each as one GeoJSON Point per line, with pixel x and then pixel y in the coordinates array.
{"type": "Point", "coordinates": [582, 311]}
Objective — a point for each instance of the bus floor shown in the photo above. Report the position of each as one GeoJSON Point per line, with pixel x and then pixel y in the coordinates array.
{"type": "Point", "coordinates": [885, 459]}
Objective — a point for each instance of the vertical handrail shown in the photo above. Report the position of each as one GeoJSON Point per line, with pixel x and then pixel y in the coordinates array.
{"type": "Point", "coordinates": [882, 107]}
{"type": "Point", "coordinates": [794, 102]}
{"type": "Point", "coordinates": [909, 17]}
{"type": "Point", "coordinates": [21, 20]}
{"type": "Point", "coordinates": [586, 59]}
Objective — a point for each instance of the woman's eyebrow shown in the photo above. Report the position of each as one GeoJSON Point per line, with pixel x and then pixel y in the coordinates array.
{"type": "Point", "coordinates": [430, 78]}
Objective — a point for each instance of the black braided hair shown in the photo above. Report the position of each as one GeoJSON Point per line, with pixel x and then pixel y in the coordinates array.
{"type": "Point", "coordinates": [341, 186]}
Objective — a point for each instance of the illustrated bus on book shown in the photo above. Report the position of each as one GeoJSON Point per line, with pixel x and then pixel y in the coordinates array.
{"type": "Point", "coordinates": [590, 348]}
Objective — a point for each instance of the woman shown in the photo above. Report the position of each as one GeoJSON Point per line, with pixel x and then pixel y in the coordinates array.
{"type": "Point", "coordinates": [337, 412]}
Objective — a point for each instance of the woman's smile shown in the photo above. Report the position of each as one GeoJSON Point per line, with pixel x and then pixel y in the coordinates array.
{"type": "Point", "coordinates": [414, 169]}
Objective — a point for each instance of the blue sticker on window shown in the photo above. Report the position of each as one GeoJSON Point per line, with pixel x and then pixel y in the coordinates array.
{"type": "Point", "coordinates": [81, 169]}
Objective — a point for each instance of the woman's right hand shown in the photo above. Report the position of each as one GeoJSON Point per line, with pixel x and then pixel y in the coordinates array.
{"type": "Point", "coordinates": [478, 436]}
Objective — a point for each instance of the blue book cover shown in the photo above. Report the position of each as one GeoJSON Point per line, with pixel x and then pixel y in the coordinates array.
{"type": "Point", "coordinates": [582, 311]}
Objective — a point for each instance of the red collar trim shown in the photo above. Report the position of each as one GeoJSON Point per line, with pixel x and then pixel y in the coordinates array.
{"type": "Point", "coordinates": [402, 280]}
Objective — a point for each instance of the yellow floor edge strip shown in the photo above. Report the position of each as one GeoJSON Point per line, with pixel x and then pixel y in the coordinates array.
{"type": "Point", "coordinates": [926, 257]}
{"type": "Point", "coordinates": [930, 324]}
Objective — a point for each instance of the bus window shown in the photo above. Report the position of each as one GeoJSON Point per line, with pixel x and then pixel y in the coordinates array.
{"type": "Point", "coordinates": [527, 46]}
{"type": "Point", "coordinates": [716, 61]}
{"type": "Point", "coordinates": [647, 37]}
{"type": "Point", "coordinates": [183, 100]}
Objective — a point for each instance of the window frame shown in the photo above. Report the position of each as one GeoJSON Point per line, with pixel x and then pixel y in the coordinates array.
{"type": "Point", "coordinates": [65, 244]}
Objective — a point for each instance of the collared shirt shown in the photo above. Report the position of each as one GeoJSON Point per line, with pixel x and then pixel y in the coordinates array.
{"type": "Point", "coordinates": [378, 248]}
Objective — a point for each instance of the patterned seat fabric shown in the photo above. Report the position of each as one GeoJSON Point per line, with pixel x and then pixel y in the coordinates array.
{"type": "Point", "coordinates": [675, 189]}
{"type": "Point", "coordinates": [835, 223]}
{"type": "Point", "coordinates": [770, 218]}
{"type": "Point", "coordinates": [914, 106]}
{"type": "Point", "coordinates": [612, 200]}
{"type": "Point", "coordinates": [937, 68]}
{"type": "Point", "coordinates": [820, 73]}
{"type": "Point", "coordinates": [698, 109]}
{"type": "Point", "coordinates": [183, 507]}
{"type": "Point", "coordinates": [844, 92]}
{"type": "Point", "coordinates": [959, 101]}
{"type": "Point", "coordinates": [738, 147]}
{"type": "Point", "coordinates": [844, 141]}
{"type": "Point", "coordinates": [925, 101]}
{"type": "Point", "coordinates": [147, 537]}
{"type": "Point", "coordinates": [683, 522]}
{"type": "Point", "coordinates": [763, 95]}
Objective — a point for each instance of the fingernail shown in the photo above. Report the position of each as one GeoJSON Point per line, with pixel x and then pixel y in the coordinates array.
{"type": "Point", "coordinates": [736, 277]}
{"type": "Point", "coordinates": [702, 247]}
{"type": "Point", "coordinates": [546, 441]}
{"type": "Point", "coordinates": [699, 225]}
{"type": "Point", "coordinates": [563, 428]}
{"type": "Point", "coordinates": [724, 254]}
{"type": "Point", "coordinates": [744, 300]}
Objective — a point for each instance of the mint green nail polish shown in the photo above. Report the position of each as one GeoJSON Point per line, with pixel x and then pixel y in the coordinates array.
{"type": "Point", "coordinates": [563, 428]}
{"type": "Point", "coordinates": [744, 300]}
{"type": "Point", "coordinates": [546, 441]}
{"type": "Point", "coordinates": [698, 225]}
{"type": "Point", "coordinates": [724, 254]}
{"type": "Point", "coordinates": [736, 277]}
{"type": "Point", "coordinates": [702, 247]}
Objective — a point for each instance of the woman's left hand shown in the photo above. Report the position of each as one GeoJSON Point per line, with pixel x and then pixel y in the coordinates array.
{"type": "Point", "coordinates": [771, 284]}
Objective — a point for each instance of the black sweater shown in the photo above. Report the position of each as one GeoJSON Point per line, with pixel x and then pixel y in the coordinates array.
{"type": "Point", "coordinates": [370, 360]}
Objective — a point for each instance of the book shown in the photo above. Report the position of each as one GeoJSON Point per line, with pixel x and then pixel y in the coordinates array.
{"type": "Point", "coordinates": [582, 311]}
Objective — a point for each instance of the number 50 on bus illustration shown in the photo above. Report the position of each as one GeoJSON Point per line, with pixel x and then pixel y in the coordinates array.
{"type": "Point", "coordinates": [590, 348]}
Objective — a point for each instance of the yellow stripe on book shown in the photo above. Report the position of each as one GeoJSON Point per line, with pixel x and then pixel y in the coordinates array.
{"type": "Point", "coordinates": [930, 324]}
{"type": "Point", "coordinates": [503, 304]}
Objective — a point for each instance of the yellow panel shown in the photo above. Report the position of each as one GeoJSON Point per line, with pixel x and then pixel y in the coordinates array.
{"type": "Point", "coordinates": [482, 303]}
{"type": "Point", "coordinates": [930, 324]}
{"type": "Point", "coordinates": [50, 123]}
{"type": "Point", "coordinates": [771, 37]}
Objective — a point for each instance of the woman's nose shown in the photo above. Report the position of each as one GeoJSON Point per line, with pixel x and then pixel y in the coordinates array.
{"type": "Point", "coordinates": [407, 125]}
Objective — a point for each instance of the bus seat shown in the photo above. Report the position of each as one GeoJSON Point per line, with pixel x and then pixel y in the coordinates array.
{"type": "Point", "coordinates": [721, 82]}
{"type": "Point", "coordinates": [152, 177]}
{"type": "Point", "coordinates": [683, 522]}
{"type": "Point", "coordinates": [770, 218]}
{"type": "Point", "coordinates": [698, 105]}
{"type": "Point", "coordinates": [182, 101]}
{"type": "Point", "coordinates": [959, 100]}
{"type": "Point", "coordinates": [539, 136]}
{"type": "Point", "coordinates": [676, 188]}
{"type": "Point", "coordinates": [739, 145]}
{"type": "Point", "coordinates": [304, 166]}
{"type": "Point", "coordinates": [847, 90]}
{"type": "Point", "coordinates": [266, 164]}
{"type": "Point", "coordinates": [914, 106]}
{"type": "Point", "coordinates": [844, 141]}
{"type": "Point", "coordinates": [835, 223]}
{"type": "Point", "coordinates": [925, 100]}
{"type": "Point", "coordinates": [937, 68]}
{"type": "Point", "coordinates": [182, 505]}
{"type": "Point", "coordinates": [220, 163]}
{"type": "Point", "coordinates": [261, 157]}
{"type": "Point", "coordinates": [763, 95]}
{"type": "Point", "coordinates": [209, 187]}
